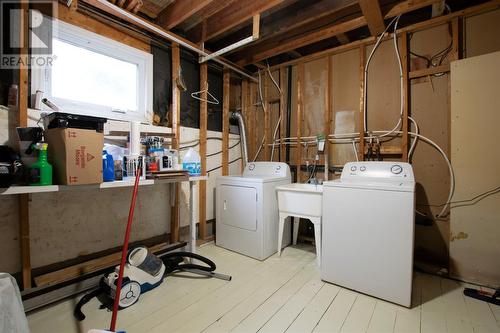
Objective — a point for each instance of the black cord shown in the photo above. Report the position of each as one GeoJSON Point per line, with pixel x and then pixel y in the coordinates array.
{"type": "Point", "coordinates": [220, 166]}
{"type": "Point", "coordinates": [220, 152]}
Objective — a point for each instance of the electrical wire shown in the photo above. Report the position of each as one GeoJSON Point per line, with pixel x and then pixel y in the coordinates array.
{"type": "Point", "coordinates": [415, 139]}
{"type": "Point", "coordinates": [365, 90]}
{"type": "Point", "coordinates": [279, 118]}
{"type": "Point", "coordinates": [478, 197]}
{"type": "Point", "coordinates": [220, 151]}
{"type": "Point", "coordinates": [264, 109]}
{"type": "Point", "coordinates": [220, 166]}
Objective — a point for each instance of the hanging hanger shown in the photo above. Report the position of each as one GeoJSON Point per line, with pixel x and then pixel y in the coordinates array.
{"type": "Point", "coordinates": [180, 81]}
{"type": "Point", "coordinates": [211, 98]}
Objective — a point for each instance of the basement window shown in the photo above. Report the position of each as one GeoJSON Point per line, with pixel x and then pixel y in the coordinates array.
{"type": "Point", "coordinates": [97, 76]}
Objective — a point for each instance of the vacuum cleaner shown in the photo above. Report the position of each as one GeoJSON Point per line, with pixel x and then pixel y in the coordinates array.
{"type": "Point", "coordinates": [143, 272]}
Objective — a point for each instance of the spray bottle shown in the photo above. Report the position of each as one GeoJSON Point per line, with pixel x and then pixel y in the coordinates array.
{"type": "Point", "coordinates": [40, 172]}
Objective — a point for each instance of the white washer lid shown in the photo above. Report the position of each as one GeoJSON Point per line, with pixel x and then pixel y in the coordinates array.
{"type": "Point", "coordinates": [403, 186]}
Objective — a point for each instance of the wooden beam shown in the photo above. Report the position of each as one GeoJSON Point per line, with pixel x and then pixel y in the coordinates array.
{"type": "Point", "coordinates": [87, 267]}
{"type": "Point", "coordinates": [202, 192]}
{"type": "Point", "coordinates": [405, 55]}
{"type": "Point", "coordinates": [225, 121]}
{"type": "Point", "coordinates": [343, 39]}
{"type": "Point", "coordinates": [328, 110]}
{"type": "Point", "coordinates": [373, 15]}
{"type": "Point", "coordinates": [245, 108]}
{"type": "Point", "coordinates": [237, 13]}
{"type": "Point", "coordinates": [267, 117]}
{"type": "Point", "coordinates": [256, 26]}
{"type": "Point", "coordinates": [176, 117]}
{"type": "Point", "coordinates": [179, 11]}
{"type": "Point", "coordinates": [24, 223]}
{"type": "Point", "coordinates": [300, 110]}
{"type": "Point", "coordinates": [281, 45]}
{"type": "Point", "coordinates": [282, 113]}
{"type": "Point", "coordinates": [252, 137]}
{"type": "Point", "coordinates": [361, 154]}
{"type": "Point", "coordinates": [429, 71]}
{"type": "Point", "coordinates": [192, 25]}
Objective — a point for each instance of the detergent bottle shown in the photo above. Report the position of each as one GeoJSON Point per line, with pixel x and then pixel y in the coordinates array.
{"type": "Point", "coordinates": [192, 162]}
{"type": "Point", "coordinates": [40, 172]}
{"type": "Point", "coordinates": [108, 167]}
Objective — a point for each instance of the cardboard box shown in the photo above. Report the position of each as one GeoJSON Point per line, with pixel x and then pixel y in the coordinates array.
{"type": "Point", "coordinates": [75, 155]}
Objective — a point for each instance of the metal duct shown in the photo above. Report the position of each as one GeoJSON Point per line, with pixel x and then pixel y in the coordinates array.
{"type": "Point", "coordinates": [243, 136]}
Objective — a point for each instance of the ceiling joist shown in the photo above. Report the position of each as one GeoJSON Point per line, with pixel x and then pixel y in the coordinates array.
{"type": "Point", "coordinates": [373, 15]}
{"type": "Point", "coordinates": [231, 16]}
{"type": "Point", "coordinates": [180, 11]}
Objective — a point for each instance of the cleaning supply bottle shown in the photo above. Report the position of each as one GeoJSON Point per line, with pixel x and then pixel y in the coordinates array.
{"type": "Point", "coordinates": [40, 172]}
{"type": "Point", "coordinates": [108, 167]}
{"type": "Point", "coordinates": [192, 162]}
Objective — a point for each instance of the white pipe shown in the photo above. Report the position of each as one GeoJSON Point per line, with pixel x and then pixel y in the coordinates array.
{"type": "Point", "coordinates": [226, 49]}
{"type": "Point", "coordinates": [170, 37]}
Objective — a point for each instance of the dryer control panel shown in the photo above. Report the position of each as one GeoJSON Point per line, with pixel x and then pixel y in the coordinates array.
{"type": "Point", "coordinates": [277, 169]}
{"type": "Point", "coordinates": [379, 171]}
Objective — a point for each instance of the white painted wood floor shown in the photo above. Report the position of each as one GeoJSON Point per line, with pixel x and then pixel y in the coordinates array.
{"type": "Point", "coordinates": [281, 294]}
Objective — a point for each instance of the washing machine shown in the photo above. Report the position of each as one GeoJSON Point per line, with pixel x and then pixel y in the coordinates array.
{"type": "Point", "coordinates": [247, 209]}
{"type": "Point", "coordinates": [368, 230]}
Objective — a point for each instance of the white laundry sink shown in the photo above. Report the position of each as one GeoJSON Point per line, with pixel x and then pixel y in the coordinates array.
{"type": "Point", "coordinates": [300, 199]}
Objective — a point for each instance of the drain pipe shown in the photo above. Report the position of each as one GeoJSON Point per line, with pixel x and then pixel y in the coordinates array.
{"type": "Point", "coordinates": [243, 136]}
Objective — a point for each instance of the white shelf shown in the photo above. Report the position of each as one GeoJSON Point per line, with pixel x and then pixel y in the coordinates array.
{"type": "Point", "coordinates": [116, 184]}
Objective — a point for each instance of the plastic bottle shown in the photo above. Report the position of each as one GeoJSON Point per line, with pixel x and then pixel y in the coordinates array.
{"type": "Point", "coordinates": [108, 167]}
{"type": "Point", "coordinates": [40, 172]}
{"type": "Point", "coordinates": [192, 162]}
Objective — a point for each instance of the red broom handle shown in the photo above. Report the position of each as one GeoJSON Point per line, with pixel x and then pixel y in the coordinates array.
{"type": "Point", "coordinates": [112, 326]}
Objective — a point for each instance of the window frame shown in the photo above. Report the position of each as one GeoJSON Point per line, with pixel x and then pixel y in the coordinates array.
{"type": "Point", "coordinates": [68, 33]}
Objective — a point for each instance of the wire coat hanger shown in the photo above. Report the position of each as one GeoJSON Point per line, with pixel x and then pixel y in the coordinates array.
{"type": "Point", "coordinates": [211, 98]}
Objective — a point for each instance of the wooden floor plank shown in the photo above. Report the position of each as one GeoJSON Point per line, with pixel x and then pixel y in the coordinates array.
{"type": "Point", "coordinates": [263, 313]}
{"type": "Point", "coordinates": [360, 315]}
{"type": "Point", "coordinates": [295, 305]}
{"type": "Point", "coordinates": [457, 316]}
{"type": "Point", "coordinates": [433, 308]}
{"type": "Point", "coordinates": [310, 317]}
{"type": "Point", "coordinates": [384, 317]}
{"type": "Point", "coordinates": [337, 312]}
{"type": "Point", "coordinates": [408, 320]}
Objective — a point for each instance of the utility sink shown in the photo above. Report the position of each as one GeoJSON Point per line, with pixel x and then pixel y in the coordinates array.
{"type": "Point", "coordinates": [299, 199]}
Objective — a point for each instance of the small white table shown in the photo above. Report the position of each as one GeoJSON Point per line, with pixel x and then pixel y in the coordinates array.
{"type": "Point", "coordinates": [300, 201]}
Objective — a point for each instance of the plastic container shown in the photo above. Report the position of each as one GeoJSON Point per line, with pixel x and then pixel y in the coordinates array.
{"type": "Point", "coordinates": [40, 172]}
{"type": "Point", "coordinates": [108, 167]}
{"type": "Point", "coordinates": [192, 162]}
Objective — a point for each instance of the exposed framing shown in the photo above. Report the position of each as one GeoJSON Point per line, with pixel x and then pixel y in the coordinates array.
{"type": "Point", "coordinates": [176, 128]}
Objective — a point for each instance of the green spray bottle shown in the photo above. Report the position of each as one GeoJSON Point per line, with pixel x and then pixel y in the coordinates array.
{"type": "Point", "coordinates": [40, 172]}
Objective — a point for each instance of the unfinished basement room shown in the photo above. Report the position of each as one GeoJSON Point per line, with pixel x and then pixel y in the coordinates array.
{"type": "Point", "coordinates": [271, 166]}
